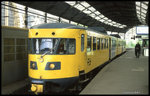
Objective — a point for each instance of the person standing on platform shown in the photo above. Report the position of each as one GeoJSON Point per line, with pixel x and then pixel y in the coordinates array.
{"type": "Point", "coordinates": [137, 50]}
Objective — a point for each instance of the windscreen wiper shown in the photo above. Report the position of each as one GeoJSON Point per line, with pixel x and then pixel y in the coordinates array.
{"type": "Point", "coordinates": [46, 53]}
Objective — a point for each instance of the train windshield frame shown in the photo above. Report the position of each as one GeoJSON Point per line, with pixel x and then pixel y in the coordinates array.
{"type": "Point", "coordinates": [52, 46]}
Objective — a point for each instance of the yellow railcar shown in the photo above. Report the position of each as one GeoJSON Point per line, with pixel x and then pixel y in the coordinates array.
{"type": "Point", "coordinates": [61, 54]}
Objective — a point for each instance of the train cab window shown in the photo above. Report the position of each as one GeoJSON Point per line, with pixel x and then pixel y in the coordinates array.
{"type": "Point", "coordinates": [71, 48]}
{"type": "Point", "coordinates": [98, 43]}
{"type": "Point", "coordinates": [66, 46]}
{"type": "Point", "coordinates": [94, 43]}
{"type": "Point", "coordinates": [82, 42]}
{"type": "Point", "coordinates": [52, 46]}
{"type": "Point", "coordinates": [88, 43]}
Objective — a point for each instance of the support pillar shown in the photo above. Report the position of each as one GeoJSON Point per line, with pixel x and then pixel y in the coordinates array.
{"type": "Point", "coordinates": [26, 17]}
{"type": "Point", "coordinates": [59, 19]}
{"type": "Point", "coordinates": [45, 17]}
{"type": "Point", "coordinates": [124, 35]}
{"type": "Point", "coordinates": [6, 14]}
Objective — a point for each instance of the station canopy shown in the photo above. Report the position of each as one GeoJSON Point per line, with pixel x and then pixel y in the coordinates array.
{"type": "Point", "coordinates": [114, 16]}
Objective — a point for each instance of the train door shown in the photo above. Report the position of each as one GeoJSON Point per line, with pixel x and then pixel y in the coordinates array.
{"type": "Point", "coordinates": [83, 55]}
{"type": "Point", "coordinates": [109, 48]}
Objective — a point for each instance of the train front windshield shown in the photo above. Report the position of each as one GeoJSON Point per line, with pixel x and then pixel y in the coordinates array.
{"type": "Point", "coordinates": [51, 46]}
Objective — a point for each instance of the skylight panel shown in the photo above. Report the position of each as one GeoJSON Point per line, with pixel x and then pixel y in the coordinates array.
{"type": "Point", "coordinates": [144, 6]}
{"type": "Point", "coordinates": [125, 25]}
{"type": "Point", "coordinates": [52, 16]}
{"type": "Point", "coordinates": [109, 20]}
{"type": "Point", "coordinates": [101, 15]}
{"type": "Point", "coordinates": [106, 22]}
{"type": "Point", "coordinates": [110, 23]}
{"type": "Point", "coordinates": [72, 22]}
{"type": "Point", "coordinates": [138, 12]}
{"type": "Point", "coordinates": [120, 26]}
{"type": "Point", "coordinates": [113, 22]}
{"type": "Point", "coordinates": [137, 8]}
{"type": "Point", "coordinates": [143, 14]}
{"type": "Point", "coordinates": [85, 4]}
{"type": "Point", "coordinates": [106, 18]}
{"type": "Point", "coordinates": [93, 15]}
{"type": "Point", "coordinates": [145, 2]}
{"type": "Point", "coordinates": [20, 6]}
{"type": "Point", "coordinates": [36, 11]}
{"type": "Point", "coordinates": [143, 11]}
{"type": "Point", "coordinates": [102, 20]}
{"type": "Point", "coordinates": [138, 3]}
{"type": "Point", "coordinates": [143, 18]}
{"type": "Point", "coordinates": [79, 7]}
{"type": "Point", "coordinates": [71, 2]}
{"type": "Point", "coordinates": [117, 24]}
{"type": "Point", "coordinates": [97, 13]}
{"type": "Point", "coordinates": [97, 18]}
{"type": "Point", "coordinates": [87, 11]}
{"type": "Point", "coordinates": [92, 9]}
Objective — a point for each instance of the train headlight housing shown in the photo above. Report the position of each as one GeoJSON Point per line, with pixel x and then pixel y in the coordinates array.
{"type": "Point", "coordinates": [52, 66]}
{"type": "Point", "coordinates": [33, 87]}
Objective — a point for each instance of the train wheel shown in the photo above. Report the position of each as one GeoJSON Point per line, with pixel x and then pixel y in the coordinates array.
{"type": "Point", "coordinates": [78, 86]}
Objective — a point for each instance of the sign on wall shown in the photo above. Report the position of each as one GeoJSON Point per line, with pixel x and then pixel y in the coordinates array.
{"type": "Point", "coordinates": [142, 30]}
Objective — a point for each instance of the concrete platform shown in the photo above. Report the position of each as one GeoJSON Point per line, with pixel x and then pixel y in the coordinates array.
{"type": "Point", "coordinates": [9, 89]}
{"type": "Point", "coordinates": [124, 75]}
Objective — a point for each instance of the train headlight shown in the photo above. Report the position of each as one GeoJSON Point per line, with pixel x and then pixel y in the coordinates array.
{"type": "Point", "coordinates": [33, 65]}
{"type": "Point", "coordinates": [52, 66]}
{"type": "Point", "coordinates": [34, 88]}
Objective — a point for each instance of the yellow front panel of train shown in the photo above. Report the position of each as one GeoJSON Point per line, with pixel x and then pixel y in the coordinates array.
{"type": "Point", "coordinates": [68, 64]}
{"type": "Point", "coordinates": [68, 67]}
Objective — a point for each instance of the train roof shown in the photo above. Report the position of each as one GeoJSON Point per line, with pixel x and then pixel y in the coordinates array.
{"type": "Point", "coordinates": [115, 35]}
{"type": "Point", "coordinates": [100, 30]}
{"type": "Point", "coordinates": [68, 26]}
{"type": "Point", "coordinates": [56, 25]}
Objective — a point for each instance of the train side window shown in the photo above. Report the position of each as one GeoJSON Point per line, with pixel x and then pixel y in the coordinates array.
{"type": "Point", "coordinates": [82, 42]}
{"type": "Point", "coordinates": [113, 43]}
{"type": "Point", "coordinates": [102, 43]}
{"type": "Point", "coordinates": [94, 43]}
{"type": "Point", "coordinates": [88, 43]}
{"type": "Point", "coordinates": [106, 43]}
{"type": "Point", "coordinates": [98, 43]}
